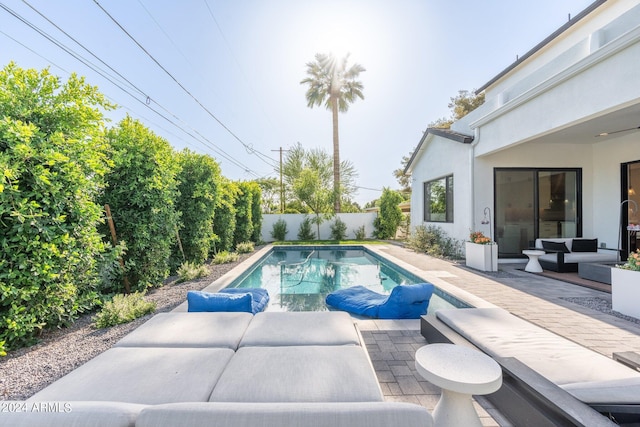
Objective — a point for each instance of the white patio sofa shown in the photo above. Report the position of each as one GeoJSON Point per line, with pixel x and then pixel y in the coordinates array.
{"type": "Point", "coordinates": [224, 369]}
{"type": "Point", "coordinates": [568, 260]}
{"type": "Point", "coordinates": [578, 372]}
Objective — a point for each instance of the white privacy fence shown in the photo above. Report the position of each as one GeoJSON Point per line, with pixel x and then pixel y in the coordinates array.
{"type": "Point", "coordinates": [353, 221]}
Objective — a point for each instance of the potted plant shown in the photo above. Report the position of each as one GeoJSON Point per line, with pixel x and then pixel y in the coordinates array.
{"type": "Point", "coordinates": [625, 286]}
{"type": "Point", "coordinates": [481, 252]}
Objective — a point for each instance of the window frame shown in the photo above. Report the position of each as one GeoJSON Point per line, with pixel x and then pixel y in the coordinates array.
{"type": "Point", "coordinates": [427, 215]}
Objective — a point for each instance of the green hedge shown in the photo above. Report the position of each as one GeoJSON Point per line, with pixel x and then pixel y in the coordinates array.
{"type": "Point", "coordinates": [224, 221]}
{"type": "Point", "coordinates": [141, 193]}
{"type": "Point", "coordinates": [199, 182]}
{"type": "Point", "coordinates": [52, 159]}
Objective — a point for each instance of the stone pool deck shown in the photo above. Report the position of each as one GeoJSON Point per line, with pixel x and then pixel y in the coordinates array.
{"type": "Point", "coordinates": [543, 301]}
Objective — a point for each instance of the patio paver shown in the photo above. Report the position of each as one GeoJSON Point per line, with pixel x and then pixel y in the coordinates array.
{"type": "Point", "coordinates": [535, 298]}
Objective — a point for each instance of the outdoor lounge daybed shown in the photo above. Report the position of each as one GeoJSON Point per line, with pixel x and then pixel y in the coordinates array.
{"type": "Point", "coordinates": [404, 301]}
{"type": "Point", "coordinates": [564, 254]}
{"type": "Point", "coordinates": [224, 369]}
{"type": "Point", "coordinates": [563, 382]}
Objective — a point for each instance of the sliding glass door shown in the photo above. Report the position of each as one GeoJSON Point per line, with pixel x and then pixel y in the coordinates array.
{"type": "Point", "coordinates": [532, 203]}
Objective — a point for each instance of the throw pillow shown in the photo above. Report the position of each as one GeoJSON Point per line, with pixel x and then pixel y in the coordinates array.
{"type": "Point", "coordinates": [555, 246]}
{"type": "Point", "coordinates": [205, 301]}
{"type": "Point", "coordinates": [584, 245]}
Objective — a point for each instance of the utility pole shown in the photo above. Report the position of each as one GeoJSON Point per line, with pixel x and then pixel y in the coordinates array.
{"type": "Point", "coordinates": [281, 184]}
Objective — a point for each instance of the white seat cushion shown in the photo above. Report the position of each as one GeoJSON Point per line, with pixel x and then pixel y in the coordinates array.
{"type": "Point", "coordinates": [363, 414]}
{"type": "Point", "coordinates": [189, 330]}
{"type": "Point", "coordinates": [142, 375]}
{"type": "Point", "coordinates": [301, 328]}
{"type": "Point", "coordinates": [298, 374]}
{"type": "Point", "coordinates": [499, 333]}
{"type": "Point", "coordinates": [56, 414]}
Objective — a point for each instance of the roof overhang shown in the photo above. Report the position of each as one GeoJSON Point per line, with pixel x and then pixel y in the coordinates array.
{"type": "Point", "coordinates": [571, 22]}
{"type": "Point", "coordinates": [431, 132]}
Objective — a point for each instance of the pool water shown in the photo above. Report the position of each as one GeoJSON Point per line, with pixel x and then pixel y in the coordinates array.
{"type": "Point", "coordinates": [299, 278]}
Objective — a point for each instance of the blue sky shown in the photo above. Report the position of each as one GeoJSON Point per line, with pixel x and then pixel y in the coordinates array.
{"type": "Point", "coordinates": [228, 72]}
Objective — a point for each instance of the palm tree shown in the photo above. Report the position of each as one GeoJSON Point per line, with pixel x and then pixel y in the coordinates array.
{"type": "Point", "coordinates": [333, 84]}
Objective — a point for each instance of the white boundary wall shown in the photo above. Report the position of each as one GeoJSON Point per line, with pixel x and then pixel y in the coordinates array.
{"type": "Point", "coordinates": [352, 220]}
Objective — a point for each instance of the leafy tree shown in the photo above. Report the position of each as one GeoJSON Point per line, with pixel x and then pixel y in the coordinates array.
{"type": "Point", "coordinates": [335, 85]}
{"type": "Point", "coordinates": [460, 105]}
{"type": "Point", "coordinates": [298, 159]}
{"type": "Point", "coordinates": [309, 188]}
{"type": "Point", "coordinates": [141, 193]}
{"type": "Point", "coordinates": [390, 215]}
{"type": "Point", "coordinates": [269, 195]}
{"type": "Point", "coordinates": [53, 160]}
{"type": "Point", "coordinates": [199, 179]}
{"type": "Point", "coordinates": [404, 179]}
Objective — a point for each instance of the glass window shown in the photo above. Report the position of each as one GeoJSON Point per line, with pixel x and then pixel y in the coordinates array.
{"type": "Point", "coordinates": [438, 200]}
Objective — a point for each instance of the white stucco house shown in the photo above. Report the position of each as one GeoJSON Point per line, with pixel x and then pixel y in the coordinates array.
{"type": "Point", "coordinates": [555, 149]}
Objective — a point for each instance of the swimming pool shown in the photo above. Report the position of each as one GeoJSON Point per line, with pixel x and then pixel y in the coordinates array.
{"type": "Point", "coordinates": [298, 278]}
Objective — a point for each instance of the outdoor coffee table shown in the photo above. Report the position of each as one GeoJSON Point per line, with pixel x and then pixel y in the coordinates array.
{"type": "Point", "coordinates": [460, 372]}
{"type": "Point", "coordinates": [533, 266]}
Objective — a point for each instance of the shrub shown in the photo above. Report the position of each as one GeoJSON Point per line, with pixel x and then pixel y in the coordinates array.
{"type": "Point", "coordinates": [141, 193]}
{"type": "Point", "coordinates": [189, 271]}
{"type": "Point", "coordinates": [199, 181]}
{"type": "Point", "coordinates": [52, 163]}
{"type": "Point", "coordinates": [435, 242]}
{"type": "Point", "coordinates": [390, 215]}
{"type": "Point", "coordinates": [244, 222]}
{"type": "Point", "coordinates": [256, 210]}
{"type": "Point", "coordinates": [338, 229]}
{"type": "Point", "coordinates": [123, 309]}
{"type": "Point", "coordinates": [279, 231]}
{"type": "Point", "coordinates": [224, 257]}
{"type": "Point", "coordinates": [360, 233]}
{"type": "Point", "coordinates": [224, 220]}
{"type": "Point", "coordinates": [305, 232]}
{"type": "Point", "coordinates": [244, 247]}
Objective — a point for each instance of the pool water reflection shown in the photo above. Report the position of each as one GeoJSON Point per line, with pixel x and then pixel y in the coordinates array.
{"type": "Point", "coordinates": [299, 278]}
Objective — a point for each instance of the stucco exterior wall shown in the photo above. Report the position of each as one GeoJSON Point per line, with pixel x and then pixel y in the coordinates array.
{"type": "Point", "coordinates": [443, 157]}
{"type": "Point", "coordinates": [352, 220]}
{"type": "Point", "coordinates": [585, 96]}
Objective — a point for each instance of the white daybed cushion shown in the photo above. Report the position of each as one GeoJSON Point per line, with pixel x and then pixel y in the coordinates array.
{"type": "Point", "coordinates": [298, 374]}
{"type": "Point", "coordinates": [143, 375]}
{"type": "Point", "coordinates": [301, 328]}
{"type": "Point", "coordinates": [351, 414]}
{"type": "Point", "coordinates": [71, 414]}
{"type": "Point", "coordinates": [499, 333]}
{"type": "Point", "coordinates": [621, 392]}
{"type": "Point", "coordinates": [189, 330]}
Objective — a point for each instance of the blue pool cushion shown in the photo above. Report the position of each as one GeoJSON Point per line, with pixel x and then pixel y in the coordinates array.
{"type": "Point", "coordinates": [198, 301]}
{"type": "Point", "coordinates": [404, 302]}
{"type": "Point", "coordinates": [259, 297]}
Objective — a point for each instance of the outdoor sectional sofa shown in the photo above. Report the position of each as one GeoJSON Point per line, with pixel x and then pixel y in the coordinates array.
{"type": "Point", "coordinates": [224, 369]}
{"type": "Point", "coordinates": [564, 254]}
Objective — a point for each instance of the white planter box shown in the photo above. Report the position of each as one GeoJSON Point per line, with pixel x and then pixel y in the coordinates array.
{"type": "Point", "coordinates": [625, 291]}
{"type": "Point", "coordinates": [481, 257]}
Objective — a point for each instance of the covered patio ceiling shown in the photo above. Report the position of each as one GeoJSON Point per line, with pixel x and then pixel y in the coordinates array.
{"type": "Point", "coordinates": [594, 130]}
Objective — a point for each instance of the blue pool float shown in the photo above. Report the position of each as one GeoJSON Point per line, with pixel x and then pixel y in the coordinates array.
{"type": "Point", "coordinates": [251, 300]}
{"type": "Point", "coordinates": [404, 302]}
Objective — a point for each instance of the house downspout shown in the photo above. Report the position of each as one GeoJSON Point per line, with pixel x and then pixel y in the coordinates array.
{"type": "Point", "coordinates": [472, 156]}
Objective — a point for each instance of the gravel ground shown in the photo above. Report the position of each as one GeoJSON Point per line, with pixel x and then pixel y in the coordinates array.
{"type": "Point", "coordinates": [26, 371]}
